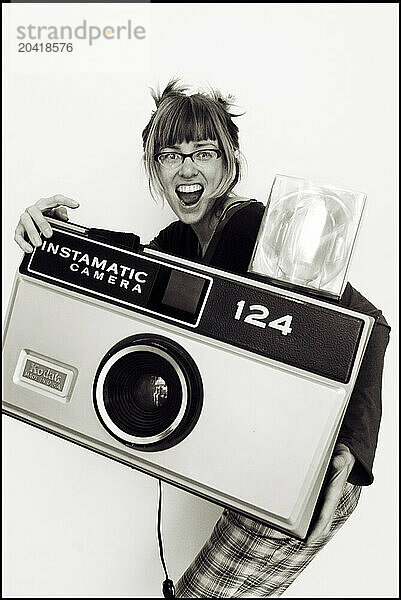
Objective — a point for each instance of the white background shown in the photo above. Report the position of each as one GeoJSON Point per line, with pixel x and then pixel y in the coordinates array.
{"type": "Point", "coordinates": [319, 87]}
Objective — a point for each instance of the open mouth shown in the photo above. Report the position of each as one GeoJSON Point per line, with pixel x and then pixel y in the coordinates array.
{"type": "Point", "coordinates": [189, 194]}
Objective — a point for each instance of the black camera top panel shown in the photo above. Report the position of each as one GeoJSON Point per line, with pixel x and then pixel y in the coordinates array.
{"type": "Point", "coordinates": [296, 331]}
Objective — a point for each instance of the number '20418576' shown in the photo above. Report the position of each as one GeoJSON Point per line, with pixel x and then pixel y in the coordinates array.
{"type": "Point", "coordinates": [47, 47]}
{"type": "Point", "coordinates": [256, 313]}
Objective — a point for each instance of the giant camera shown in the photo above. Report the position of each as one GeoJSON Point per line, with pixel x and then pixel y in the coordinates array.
{"type": "Point", "coordinates": [226, 386]}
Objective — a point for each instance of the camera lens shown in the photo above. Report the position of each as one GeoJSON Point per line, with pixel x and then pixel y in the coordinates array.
{"type": "Point", "coordinates": [132, 400]}
{"type": "Point", "coordinates": [148, 392]}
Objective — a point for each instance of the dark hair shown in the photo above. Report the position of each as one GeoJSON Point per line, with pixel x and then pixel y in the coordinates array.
{"type": "Point", "coordinates": [181, 117]}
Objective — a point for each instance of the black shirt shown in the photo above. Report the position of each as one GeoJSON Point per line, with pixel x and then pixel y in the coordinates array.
{"type": "Point", "coordinates": [231, 249]}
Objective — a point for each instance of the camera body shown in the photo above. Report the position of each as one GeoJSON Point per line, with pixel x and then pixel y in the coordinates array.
{"type": "Point", "coordinates": [225, 386]}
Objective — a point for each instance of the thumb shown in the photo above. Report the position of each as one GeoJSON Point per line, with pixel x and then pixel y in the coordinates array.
{"type": "Point", "coordinates": [61, 213]}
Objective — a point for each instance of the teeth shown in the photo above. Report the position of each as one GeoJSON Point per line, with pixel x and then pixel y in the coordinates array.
{"type": "Point", "coordinates": [189, 188]}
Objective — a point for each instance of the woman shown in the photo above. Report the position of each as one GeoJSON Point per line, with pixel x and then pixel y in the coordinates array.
{"type": "Point", "coordinates": [192, 159]}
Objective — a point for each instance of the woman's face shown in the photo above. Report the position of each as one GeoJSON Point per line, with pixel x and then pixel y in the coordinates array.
{"type": "Point", "coordinates": [190, 188]}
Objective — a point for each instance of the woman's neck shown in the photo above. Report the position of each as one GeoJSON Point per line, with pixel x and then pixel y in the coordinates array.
{"type": "Point", "coordinates": [205, 230]}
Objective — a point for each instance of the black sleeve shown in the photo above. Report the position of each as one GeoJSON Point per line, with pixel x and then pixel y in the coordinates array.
{"type": "Point", "coordinates": [163, 240]}
{"type": "Point", "coordinates": [360, 427]}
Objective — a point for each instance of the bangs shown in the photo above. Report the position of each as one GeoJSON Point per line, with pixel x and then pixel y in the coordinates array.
{"type": "Point", "coordinates": [190, 119]}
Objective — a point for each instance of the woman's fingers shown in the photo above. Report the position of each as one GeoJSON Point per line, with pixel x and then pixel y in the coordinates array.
{"type": "Point", "coordinates": [40, 221]}
{"type": "Point", "coordinates": [33, 221]}
{"type": "Point", "coordinates": [30, 229]}
{"type": "Point", "coordinates": [19, 238]}
{"type": "Point", "coordinates": [55, 202]}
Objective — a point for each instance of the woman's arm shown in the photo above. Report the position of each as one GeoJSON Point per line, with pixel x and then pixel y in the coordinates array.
{"type": "Point", "coordinates": [360, 427]}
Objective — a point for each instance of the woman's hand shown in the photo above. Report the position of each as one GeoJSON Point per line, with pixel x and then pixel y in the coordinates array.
{"type": "Point", "coordinates": [341, 465]}
{"type": "Point", "coordinates": [33, 220]}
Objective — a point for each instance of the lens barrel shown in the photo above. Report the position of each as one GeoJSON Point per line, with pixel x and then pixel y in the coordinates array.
{"type": "Point", "coordinates": [148, 392]}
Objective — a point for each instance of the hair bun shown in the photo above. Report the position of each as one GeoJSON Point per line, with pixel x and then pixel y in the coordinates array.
{"type": "Point", "coordinates": [173, 88]}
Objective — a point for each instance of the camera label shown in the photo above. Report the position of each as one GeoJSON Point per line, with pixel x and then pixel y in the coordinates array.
{"type": "Point", "coordinates": [44, 374]}
{"type": "Point", "coordinates": [95, 267]}
{"type": "Point", "coordinates": [120, 276]}
{"type": "Point", "coordinates": [256, 315]}
{"type": "Point", "coordinates": [35, 371]}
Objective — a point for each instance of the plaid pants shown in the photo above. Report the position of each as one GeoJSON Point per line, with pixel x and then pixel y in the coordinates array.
{"type": "Point", "coordinates": [246, 559]}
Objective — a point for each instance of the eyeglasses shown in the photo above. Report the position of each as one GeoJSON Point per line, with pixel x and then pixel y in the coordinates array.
{"type": "Point", "coordinates": [199, 157]}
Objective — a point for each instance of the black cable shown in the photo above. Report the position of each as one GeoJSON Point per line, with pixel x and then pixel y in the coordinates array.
{"type": "Point", "coordinates": [168, 585]}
